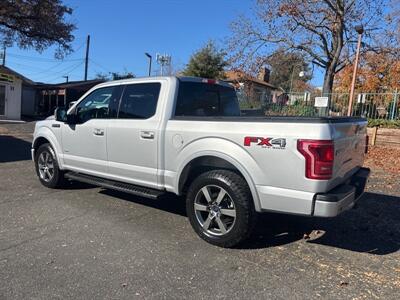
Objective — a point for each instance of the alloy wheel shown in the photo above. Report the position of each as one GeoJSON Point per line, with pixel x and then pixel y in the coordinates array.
{"type": "Point", "coordinates": [46, 166]}
{"type": "Point", "coordinates": [215, 210]}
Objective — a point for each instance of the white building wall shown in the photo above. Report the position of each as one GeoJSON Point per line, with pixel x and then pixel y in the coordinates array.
{"type": "Point", "coordinates": [13, 96]}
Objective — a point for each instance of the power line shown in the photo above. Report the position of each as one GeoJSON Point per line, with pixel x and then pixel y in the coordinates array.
{"type": "Point", "coordinates": [25, 66]}
{"type": "Point", "coordinates": [65, 70]}
{"type": "Point", "coordinates": [51, 68]}
{"type": "Point", "coordinates": [69, 72]}
{"type": "Point", "coordinates": [41, 59]}
{"type": "Point", "coordinates": [47, 59]}
{"type": "Point", "coordinates": [42, 71]}
{"type": "Point", "coordinates": [45, 77]}
{"type": "Point", "coordinates": [58, 63]}
{"type": "Point", "coordinates": [99, 65]}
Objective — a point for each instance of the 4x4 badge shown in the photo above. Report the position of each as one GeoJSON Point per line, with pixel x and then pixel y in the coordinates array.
{"type": "Point", "coordinates": [265, 142]}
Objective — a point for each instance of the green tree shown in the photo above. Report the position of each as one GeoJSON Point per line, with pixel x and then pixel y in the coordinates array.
{"type": "Point", "coordinates": [36, 24]}
{"type": "Point", "coordinates": [285, 68]}
{"type": "Point", "coordinates": [115, 75]}
{"type": "Point", "coordinates": [207, 62]}
{"type": "Point", "coordinates": [124, 75]}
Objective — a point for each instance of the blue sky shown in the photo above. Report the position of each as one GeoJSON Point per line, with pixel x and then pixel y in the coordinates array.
{"type": "Point", "coordinates": [122, 30]}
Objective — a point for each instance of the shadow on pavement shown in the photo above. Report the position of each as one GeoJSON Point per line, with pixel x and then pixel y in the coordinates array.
{"type": "Point", "coordinates": [169, 202]}
{"type": "Point", "coordinates": [76, 185]}
{"type": "Point", "coordinates": [14, 149]}
{"type": "Point", "coordinates": [373, 227]}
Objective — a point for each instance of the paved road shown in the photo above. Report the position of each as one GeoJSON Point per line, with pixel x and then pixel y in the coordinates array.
{"type": "Point", "coordinates": [90, 243]}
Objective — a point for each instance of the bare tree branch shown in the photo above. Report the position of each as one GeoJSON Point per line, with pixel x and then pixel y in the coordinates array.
{"type": "Point", "coordinates": [322, 29]}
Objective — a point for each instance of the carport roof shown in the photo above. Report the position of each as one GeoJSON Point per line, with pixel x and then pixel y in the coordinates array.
{"type": "Point", "coordinates": [76, 85]}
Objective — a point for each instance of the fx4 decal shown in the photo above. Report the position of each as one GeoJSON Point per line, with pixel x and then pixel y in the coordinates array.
{"type": "Point", "coordinates": [275, 143]}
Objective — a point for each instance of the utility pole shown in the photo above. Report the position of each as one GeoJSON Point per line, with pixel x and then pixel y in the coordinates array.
{"type": "Point", "coordinates": [66, 78]}
{"type": "Point", "coordinates": [4, 56]}
{"type": "Point", "coordinates": [360, 30]}
{"type": "Point", "coordinates": [87, 56]}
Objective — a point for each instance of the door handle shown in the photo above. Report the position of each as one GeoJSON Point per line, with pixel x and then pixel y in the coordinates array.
{"type": "Point", "coordinates": [147, 135]}
{"type": "Point", "coordinates": [98, 131]}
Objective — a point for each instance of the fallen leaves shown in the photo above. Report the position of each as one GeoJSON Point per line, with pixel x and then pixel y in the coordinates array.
{"type": "Point", "coordinates": [343, 283]}
{"type": "Point", "coordinates": [383, 158]}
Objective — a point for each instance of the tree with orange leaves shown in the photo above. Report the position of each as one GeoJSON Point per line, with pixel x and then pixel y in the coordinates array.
{"type": "Point", "coordinates": [378, 72]}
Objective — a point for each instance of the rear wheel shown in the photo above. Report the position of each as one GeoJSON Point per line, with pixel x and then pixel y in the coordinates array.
{"type": "Point", "coordinates": [220, 208]}
{"type": "Point", "coordinates": [47, 168]}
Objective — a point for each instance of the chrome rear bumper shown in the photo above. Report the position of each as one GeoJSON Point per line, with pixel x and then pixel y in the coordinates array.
{"type": "Point", "coordinates": [342, 197]}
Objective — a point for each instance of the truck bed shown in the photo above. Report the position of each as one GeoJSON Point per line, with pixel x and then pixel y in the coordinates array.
{"type": "Point", "coordinates": [277, 119]}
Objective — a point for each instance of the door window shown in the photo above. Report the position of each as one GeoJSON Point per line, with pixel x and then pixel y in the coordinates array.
{"type": "Point", "coordinates": [139, 101]}
{"type": "Point", "coordinates": [100, 104]}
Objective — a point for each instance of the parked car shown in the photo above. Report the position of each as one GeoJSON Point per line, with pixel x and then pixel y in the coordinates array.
{"type": "Point", "coordinates": [184, 135]}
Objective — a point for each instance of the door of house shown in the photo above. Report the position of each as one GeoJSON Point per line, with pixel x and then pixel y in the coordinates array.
{"type": "Point", "coordinates": [2, 100]}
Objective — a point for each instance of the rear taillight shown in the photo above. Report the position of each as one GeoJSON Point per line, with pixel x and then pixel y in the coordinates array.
{"type": "Point", "coordinates": [319, 155]}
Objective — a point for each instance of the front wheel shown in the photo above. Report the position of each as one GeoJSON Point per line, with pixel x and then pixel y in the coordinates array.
{"type": "Point", "coordinates": [47, 167]}
{"type": "Point", "coordinates": [220, 208]}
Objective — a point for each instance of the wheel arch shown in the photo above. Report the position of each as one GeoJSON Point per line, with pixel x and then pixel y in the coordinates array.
{"type": "Point", "coordinates": [211, 160]}
{"type": "Point", "coordinates": [46, 136]}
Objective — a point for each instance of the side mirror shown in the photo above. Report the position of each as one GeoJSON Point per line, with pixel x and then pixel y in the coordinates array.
{"type": "Point", "coordinates": [71, 104]}
{"type": "Point", "coordinates": [60, 114]}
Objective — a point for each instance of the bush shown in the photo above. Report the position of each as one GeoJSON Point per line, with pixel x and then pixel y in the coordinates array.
{"type": "Point", "coordinates": [384, 123]}
{"type": "Point", "coordinates": [298, 109]}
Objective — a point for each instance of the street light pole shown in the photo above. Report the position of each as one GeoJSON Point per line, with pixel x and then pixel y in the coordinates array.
{"type": "Point", "coordinates": [360, 31]}
{"type": "Point", "coordinates": [301, 74]}
{"type": "Point", "coordinates": [150, 59]}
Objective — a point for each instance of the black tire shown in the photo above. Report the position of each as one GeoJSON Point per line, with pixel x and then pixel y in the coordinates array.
{"type": "Point", "coordinates": [57, 179]}
{"type": "Point", "coordinates": [238, 197]}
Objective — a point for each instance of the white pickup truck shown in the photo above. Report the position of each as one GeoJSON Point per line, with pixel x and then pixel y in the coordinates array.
{"type": "Point", "coordinates": [184, 135]}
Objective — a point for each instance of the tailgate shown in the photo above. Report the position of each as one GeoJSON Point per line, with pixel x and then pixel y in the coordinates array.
{"type": "Point", "coordinates": [349, 140]}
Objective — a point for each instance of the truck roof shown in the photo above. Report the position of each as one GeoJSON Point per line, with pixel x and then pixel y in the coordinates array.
{"type": "Point", "coordinates": [180, 78]}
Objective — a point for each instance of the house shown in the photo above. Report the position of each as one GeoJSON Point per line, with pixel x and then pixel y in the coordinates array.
{"type": "Point", "coordinates": [20, 96]}
{"type": "Point", "coordinates": [256, 92]}
{"type": "Point", "coordinates": [14, 89]}
{"type": "Point", "coordinates": [49, 96]}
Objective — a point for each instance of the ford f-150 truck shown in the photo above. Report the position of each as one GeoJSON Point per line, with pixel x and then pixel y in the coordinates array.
{"type": "Point", "coordinates": [185, 135]}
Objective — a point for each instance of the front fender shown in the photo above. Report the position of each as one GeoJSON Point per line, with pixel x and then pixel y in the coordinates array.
{"type": "Point", "coordinates": [226, 150]}
{"type": "Point", "coordinates": [46, 133]}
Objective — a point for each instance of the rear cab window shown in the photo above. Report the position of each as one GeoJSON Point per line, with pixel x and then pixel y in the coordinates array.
{"type": "Point", "coordinates": [202, 99]}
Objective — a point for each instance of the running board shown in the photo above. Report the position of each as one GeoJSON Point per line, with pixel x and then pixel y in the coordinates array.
{"type": "Point", "coordinates": [116, 185]}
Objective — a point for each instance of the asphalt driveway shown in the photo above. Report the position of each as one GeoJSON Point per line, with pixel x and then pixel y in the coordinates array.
{"type": "Point", "coordinates": [89, 243]}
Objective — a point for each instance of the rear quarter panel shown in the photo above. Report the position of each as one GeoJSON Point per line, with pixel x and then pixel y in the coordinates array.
{"type": "Point", "coordinates": [266, 166]}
